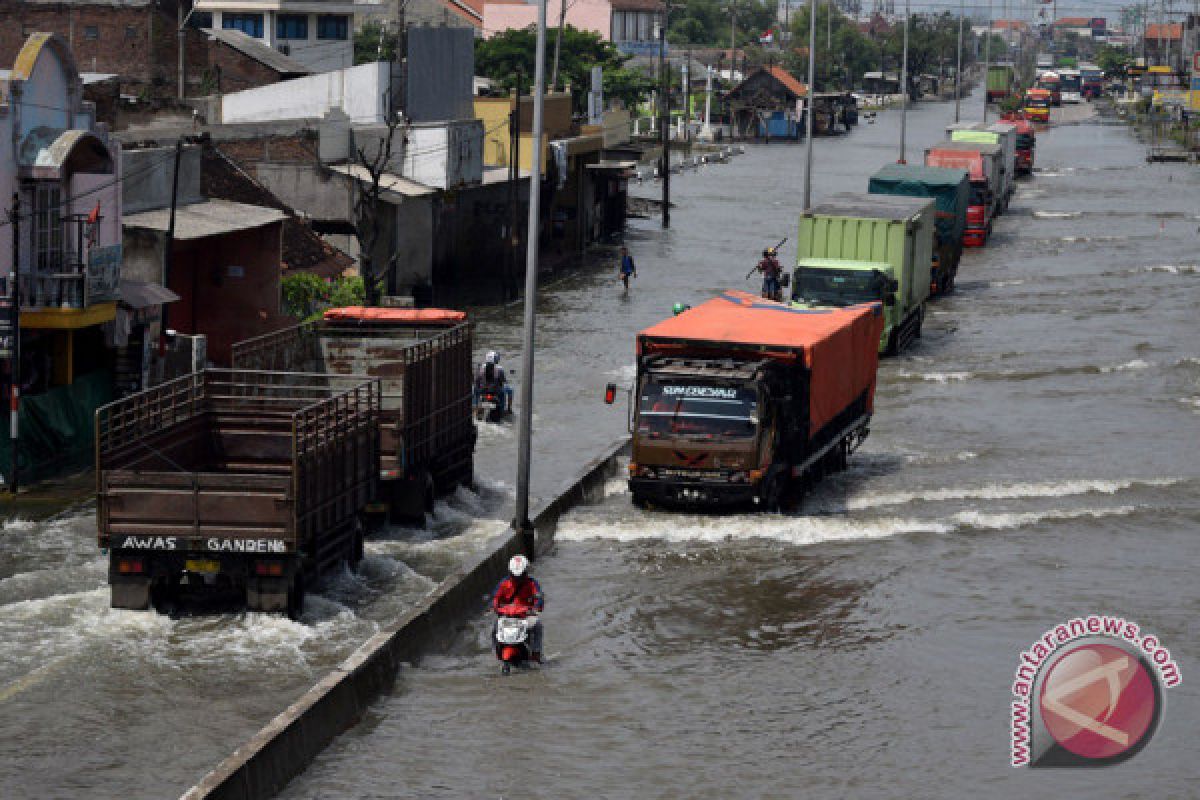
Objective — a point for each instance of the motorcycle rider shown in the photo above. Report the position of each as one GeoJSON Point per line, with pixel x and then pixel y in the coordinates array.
{"type": "Point", "coordinates": [521, 588]}
{"type": "Point", "coordinates": [771, 270]}
{"type": "Point", "coordinates": [491, 377]}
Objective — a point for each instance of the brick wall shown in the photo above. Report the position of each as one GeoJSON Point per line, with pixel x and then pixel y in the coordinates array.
{"type": "Point", "coordinates": [137, 42]}
{"type": "Point", "coordinates": [234, 72]}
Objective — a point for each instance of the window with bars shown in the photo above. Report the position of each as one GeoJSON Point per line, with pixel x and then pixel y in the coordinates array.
{"type": "Point", "coordinates": [47, 227]}
{"type": "Point", "coordinates": [291, 26]}
{"type": "Point", "coordinates": [249, 24]}
{"type": "Point", "coordinates": [333, 26]}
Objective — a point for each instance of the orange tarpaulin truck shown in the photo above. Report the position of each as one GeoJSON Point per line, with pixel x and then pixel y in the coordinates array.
{"type": "Point", "coordinates": [743, 401]}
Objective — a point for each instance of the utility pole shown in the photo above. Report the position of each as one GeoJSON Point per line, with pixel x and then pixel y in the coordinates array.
{"type": "Point", "coordinates": [904, 91]}
{"type": "Point", "coordinates": [169, 245]}
{"type": "Point", "coordinates": [987, 58]}
{"type": "Point", "coordinates": [706, 134]}
{"type": "Point", "coordinates": [521, 521]}
{"type": "Point", "coordinates": [958, 65]}
{"type": "Point", "coordinates": [14, 369]}
{"type": "Point", "coordinates": [665, 119]}
{"type": "Point", "coordinates": [514, 176]}
{"type": "Point", "coordinates": [808, 114]}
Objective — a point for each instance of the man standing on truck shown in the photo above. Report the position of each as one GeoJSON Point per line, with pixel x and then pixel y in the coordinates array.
{"type": "Point", "coordinates": [626, 267]}
{"type": "Point", "coordinates": [520, 588]}
{"type": "Point", "coordinates": [771, 270]}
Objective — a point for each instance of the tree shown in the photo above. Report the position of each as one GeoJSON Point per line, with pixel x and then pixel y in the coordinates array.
{"type": "Point", "coordinates": [375, 160]}
{"type": "Point", "coordinates": [507, 55]}
{"type": "Point", "coordinates": [374, 42]}
{"type": "Point", "coordinates": [842, 60]}
{"type": "Point", "coordinates": [706, 22]}
{"type": "Point", "coordinates": [1113, 60]}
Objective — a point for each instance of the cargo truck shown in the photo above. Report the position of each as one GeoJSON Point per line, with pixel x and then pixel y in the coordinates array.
{"type": "Point", "coordinates": [1037, 105]}
{"type": "Point", "coordinates": [423, 359]}
{"type": "Point", "coordinates": [950, 191]}
{"type": "Point", "coordinates": [234, 482]}
{"type": "Point", "coordinates": [857, 248]}
{"type": "Point", "coordinates": [982, 163]}
{"type": "Point", "coordinates": [742, 402]}
{"type": "Point", "coordinates": [1000, 79]}
{"type": "Point", "coordinates": [1026, 144]}
{"type": "Point", "coordinates": [1004, 135]}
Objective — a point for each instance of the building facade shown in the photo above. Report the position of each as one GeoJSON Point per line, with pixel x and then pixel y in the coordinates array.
{"type": "Point", "coordinates": [60, 169]}
{"type": "Point", "coordinates": [317, 33]}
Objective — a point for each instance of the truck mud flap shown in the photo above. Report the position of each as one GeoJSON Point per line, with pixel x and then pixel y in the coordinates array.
{"type": "Point", "coordinates": [266, 594]}
{"type": "Point", "coordinates": [131, 593]}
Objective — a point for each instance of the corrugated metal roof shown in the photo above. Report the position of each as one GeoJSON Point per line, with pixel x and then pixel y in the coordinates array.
{"type": "Point", "coordinates": [253, 48]}
{"type": "Point", "coordinates": [210, 218]}
{"type": "Point", "coordinates": [395, 185]}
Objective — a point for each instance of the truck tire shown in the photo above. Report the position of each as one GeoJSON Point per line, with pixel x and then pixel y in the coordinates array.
{"type": "Point", "coordinates": [357, 545]}
{"type": "Point", "coordinates": [131, 594]}
{"type": "Point", "coordinates": [893, 344]}
{"type": "Point", "coordinates": [919, 322]}
{"type": "Point", "coordinates": [775, 496]}
{"type": "Point", "coordinates": [295, 598]}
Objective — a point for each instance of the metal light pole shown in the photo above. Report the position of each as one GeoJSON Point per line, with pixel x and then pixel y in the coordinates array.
{"type": "Point", "coordinates": [521, 522]}
{"type": "Point", "coordinates": [808, 116]}
{"type": "Point", "coordinates": [706, 133]}
{"type": "Point", "coordinates": [958, 66]}
{"type": "Point", "coordinates": [664, 123]}
{"type": "Point", "coordinates": [987, 59]}
{"type": "Point", "coordinates": [904, 90]}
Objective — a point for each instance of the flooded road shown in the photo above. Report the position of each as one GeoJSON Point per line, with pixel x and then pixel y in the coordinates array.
{"type": "Point", "coordinates": [1032, 458]}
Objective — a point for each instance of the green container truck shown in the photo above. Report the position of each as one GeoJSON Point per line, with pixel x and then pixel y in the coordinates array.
{"type": "Point", "coordinates": [860, 248]}
{"type": "Point", "coordinates": [1000, 80]}
{"type": "Point", "coordinates": [950, 190]}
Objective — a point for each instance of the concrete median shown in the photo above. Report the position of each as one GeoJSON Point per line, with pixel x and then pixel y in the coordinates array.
{"type": "Point", "coordinates": [282, 749]}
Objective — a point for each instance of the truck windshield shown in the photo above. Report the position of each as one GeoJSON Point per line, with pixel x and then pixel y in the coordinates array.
{"type": "Point", "coordinates": [1025, 141]}
{"type": "Point", "coordinates": [1070, 83]}
{"type": "Point", "coordinates": [680, 407]}
{"type": "Point", "coordinates": [838, 287]}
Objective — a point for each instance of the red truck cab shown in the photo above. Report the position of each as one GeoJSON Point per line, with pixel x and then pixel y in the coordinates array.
{"type": "Point", "coordinates": [979, 221]}
{"type": "Point", "coordinates": [1026, 142]}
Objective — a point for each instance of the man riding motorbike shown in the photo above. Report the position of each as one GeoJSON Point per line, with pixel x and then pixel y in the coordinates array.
{"type": "Point", "coordinates": [771, 270]}
{"type": "Point", "coordinates": [491, 377]}
{"type": "Point", "coordinates": [520, 588]}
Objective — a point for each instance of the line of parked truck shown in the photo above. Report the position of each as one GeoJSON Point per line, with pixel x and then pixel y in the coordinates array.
{"type": "Point", "coordinates": [746, 401]}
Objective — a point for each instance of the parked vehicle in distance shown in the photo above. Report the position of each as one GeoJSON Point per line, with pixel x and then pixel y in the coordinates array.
{"type": "Point", "coordinates": [1037, 105]}
{"type": "Point", "coordinates": [424, 361]}
{"type": "Point", "coordinates": [1000, 81]}
{"type": "Point", "coordinates": [742, 402]}
{"type": "Point", "coordinates": [861, 247]}
{"type": "Point", "coordinates": [982, 163]}
{"type": "Point", "coordinates": [235, 482]}
{"type": "Point", "coordinates": [1070, 85]}
{"type": "Point", "coordinates": [1050, 82]}
{"type": "Point", "coordinates": [950, 189]}
{"type": "Point", "coordinates": [1026, 143]}
{"type": "Point", "coordinates": [1092, 80]}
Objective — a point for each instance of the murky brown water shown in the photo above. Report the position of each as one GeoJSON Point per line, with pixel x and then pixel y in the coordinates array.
{"type": "Point", "coordinates": [1033, 458]}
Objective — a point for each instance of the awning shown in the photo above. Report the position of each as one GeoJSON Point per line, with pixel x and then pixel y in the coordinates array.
{"type": "Point", "coordinates": [210, 218]}
{"type": "Point", "coordinates": [142, 294]}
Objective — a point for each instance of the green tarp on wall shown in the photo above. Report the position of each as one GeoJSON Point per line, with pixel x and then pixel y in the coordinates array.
{"type": "Point", "coordinates": [56, 429]}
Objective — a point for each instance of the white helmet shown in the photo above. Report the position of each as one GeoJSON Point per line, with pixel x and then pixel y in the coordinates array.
{"type": "Point", "coordinates": [491, 357]}
{"type": "Point", "coordinates": [517, 565]}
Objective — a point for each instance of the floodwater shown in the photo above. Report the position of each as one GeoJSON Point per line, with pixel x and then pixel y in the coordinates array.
{"type": "Point", "coordinates": [1033, 458]}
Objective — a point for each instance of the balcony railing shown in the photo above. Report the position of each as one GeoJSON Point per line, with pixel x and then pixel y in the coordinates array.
{"type": "Point", "coordinates": [79, 275]}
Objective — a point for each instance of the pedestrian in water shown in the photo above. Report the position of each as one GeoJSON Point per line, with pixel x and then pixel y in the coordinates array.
{"type": "Point", "coordinates": [627, 268]}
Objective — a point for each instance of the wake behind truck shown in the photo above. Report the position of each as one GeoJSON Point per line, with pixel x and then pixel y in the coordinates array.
{"type": "Point", "coordinates": [742, 401]}
{"type": "Point", "coordinates": [950, 191]}
{"type": "Point", "coordinates": [422, 358]}
{"type": "Point", "coordinates": [234, 482]}
{"type": "Point", "coordinates": [864, 248]}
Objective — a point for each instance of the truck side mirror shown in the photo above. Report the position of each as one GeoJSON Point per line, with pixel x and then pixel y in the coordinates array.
{"type": "Point", "coordinates": [893, 286]}
{"type": "Point", "coordinates": [889, 299]}
{"type": "Point", "coordinates": [785, 281]}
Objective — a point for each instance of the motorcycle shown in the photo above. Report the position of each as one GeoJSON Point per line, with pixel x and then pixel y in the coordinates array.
{"type": "Point", "coordinates": [490, 406]}
{"type": "Point", "coordinates": [513, 624]}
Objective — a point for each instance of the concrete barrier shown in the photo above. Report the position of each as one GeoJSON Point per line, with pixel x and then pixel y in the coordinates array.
{"type": "Point", "coordinates": [287, 744]}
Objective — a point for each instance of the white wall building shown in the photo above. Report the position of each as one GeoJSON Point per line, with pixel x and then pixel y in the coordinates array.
{"type": "Point", "coordinates": [317, 33]}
